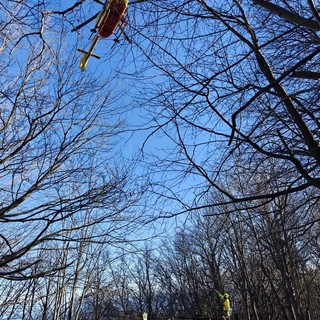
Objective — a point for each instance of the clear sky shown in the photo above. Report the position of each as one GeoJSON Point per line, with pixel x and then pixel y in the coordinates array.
{"type": "Point", "coordinates": [132, 80]}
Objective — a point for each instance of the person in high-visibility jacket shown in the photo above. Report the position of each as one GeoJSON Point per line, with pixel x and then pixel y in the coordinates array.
{"type": "Point", "coordinates": [226, 305]}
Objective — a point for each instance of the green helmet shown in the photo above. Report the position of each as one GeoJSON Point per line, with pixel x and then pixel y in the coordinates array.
{"type": "Point", "coordinates": [226, 296]}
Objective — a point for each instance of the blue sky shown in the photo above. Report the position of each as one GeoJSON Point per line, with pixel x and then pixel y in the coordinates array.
{"type": "Point", "coordinates": [132, 80]}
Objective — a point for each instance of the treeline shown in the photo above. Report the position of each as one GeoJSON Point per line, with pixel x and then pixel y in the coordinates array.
{"type": "Point", "coordinates": [267, 260]}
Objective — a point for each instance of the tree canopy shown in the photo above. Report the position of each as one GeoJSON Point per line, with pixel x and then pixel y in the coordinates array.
{"type": "Point", "coordinates": [204, 123]}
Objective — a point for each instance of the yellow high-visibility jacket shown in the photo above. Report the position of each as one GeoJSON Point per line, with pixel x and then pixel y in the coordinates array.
{"type": "Point", "coordinates": [226, 305]}
{"type": "Point", "coordinates": [225, 302]}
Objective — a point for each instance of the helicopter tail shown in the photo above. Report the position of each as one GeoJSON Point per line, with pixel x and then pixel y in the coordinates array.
{"type": "Point", "coordinates": [89, 54]}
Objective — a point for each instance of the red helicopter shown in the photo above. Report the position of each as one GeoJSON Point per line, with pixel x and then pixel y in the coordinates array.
{"type": "Point", "coordinates": [108, 19]}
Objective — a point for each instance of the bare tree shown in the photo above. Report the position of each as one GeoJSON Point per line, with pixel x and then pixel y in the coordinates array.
{"type": "Point", "coordinates": [233, 96]}
{"type": "Point", "coordinates": [236, 104]}
{"type": "Point", "coordinates": [237, 87]}
{"type": "Point", "coordinates": [59, 173]}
